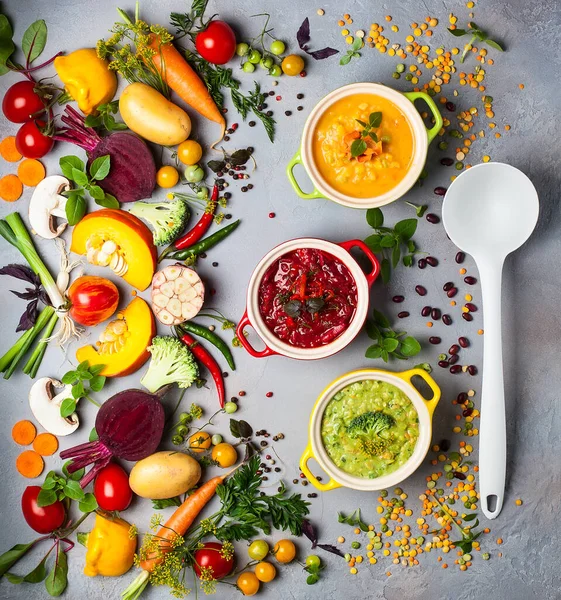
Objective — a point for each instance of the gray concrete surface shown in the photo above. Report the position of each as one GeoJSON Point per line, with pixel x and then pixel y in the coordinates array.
{"type": "Point", "coordinates": [529, 567]}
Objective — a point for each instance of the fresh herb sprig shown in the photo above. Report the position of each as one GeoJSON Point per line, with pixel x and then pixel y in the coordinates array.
{"type": "Point", "coordinates": [59, 487]}
{"type": "Point", "coordinates": [73, 168]}
{"type": "Point", "coordinates": [476, 35]}
{"type": "Point", "coordinates": [84, 380]}
{"type": "Point", "coordinates": [468, 535]}
{"type": "Point", "coordinates": [420, 209]}
{"type": "Point", "coordinates": [354, 520]}
{"type": "Point", "coordinates": [105, 117]}
{"type": "Point", "coordinates": [353, 52]}
{"type": "Point", "coordinates": [387, 341]}
{"type": "Point", "coordinates": [189, 23]}
{"type": "Point", "coordinates": [166, 503]}
{"type": "Point", "coordinates": [359, 146]}
{"type": "Point", "coordinates": [385, 239]}
{"type": "Point", "coordinates": [303, 38]}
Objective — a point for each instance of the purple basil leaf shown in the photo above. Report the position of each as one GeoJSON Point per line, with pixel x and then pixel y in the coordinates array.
{"type": "Point", "coordinates": [29, 294]}
{"type": "Point", "coordinates": [303, 35]}
{"type": "Point", "coordinates": [44, 297]}
{"type": "Point", "coordinates": [323, 53]}
{"type": "Point", "coordinates": [29, 317]}
{"type": "Point", "coordinates": [309, 531]}
{"type": "Point", "coordinates": [21, 272]}
{"type": "Point", "coordinates": [332, 549]}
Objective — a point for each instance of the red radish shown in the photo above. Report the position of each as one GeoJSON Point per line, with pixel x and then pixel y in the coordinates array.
{"type": "Point", "coordinates": [129, 426]}
{"type": "Point", "coordinates": [132, 175]}
{"type": "Point", "coordinates": [177, 294]}
{"type": "Point", "coordinates": [94, 300]}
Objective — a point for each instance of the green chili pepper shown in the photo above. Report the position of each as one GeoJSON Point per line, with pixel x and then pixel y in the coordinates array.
{"type": "Point", "coordinates": [211, 337]}
{"type": "Point", "coordinates": [205, 244]}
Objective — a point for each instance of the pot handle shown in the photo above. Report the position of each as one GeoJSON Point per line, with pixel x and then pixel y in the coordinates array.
{"type": "Point", "coordinates": [373, 275]}
{"type": "Point", "coordinates": [322, 487]}
{"type": "Point", "coordinates": [408, 376]}
{"type": "Point", "coordinates": [244, 322]}
{"type": "Point", "coordinates": [433, 131]}
{"type": "Point", "coordinates": [297, 160]}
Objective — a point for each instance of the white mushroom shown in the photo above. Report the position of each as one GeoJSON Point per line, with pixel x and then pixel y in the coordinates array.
{"type": "Point", "coordinates": [46, 204]}
{"type": "Point", "coordinates": [45, 405]}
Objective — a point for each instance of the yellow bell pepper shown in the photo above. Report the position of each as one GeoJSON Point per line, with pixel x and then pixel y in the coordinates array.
{"type": "Point", "coordinates": [87, 78]}
{"type": "Point", "coordinates": [110, 548]}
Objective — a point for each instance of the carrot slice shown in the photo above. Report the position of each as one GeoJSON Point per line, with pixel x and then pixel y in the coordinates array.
{"type": "Point", "coordinates": [8, 150]}
{"type": "Point", "coordinates": [30, 464]}
{"type": "Point", "coordinates": [45, 444]}
{"type": "Point", "coordinates": [11, 188]}
{"type": "Point", "coordinates": [31, 172]}
{"type": "Point", "coordinates": [23, 433]}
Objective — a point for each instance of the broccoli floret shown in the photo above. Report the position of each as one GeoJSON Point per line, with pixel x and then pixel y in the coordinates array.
{"type": "Point", "coordinates": [168, 219]}
{"type": "Point", "coordinates": [370, 423]}
{"type": "Point", "coordinates": [172, 362]}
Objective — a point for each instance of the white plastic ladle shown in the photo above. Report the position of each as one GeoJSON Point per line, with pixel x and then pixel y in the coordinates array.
{"type": "Point", "coordinates": [489, 211]}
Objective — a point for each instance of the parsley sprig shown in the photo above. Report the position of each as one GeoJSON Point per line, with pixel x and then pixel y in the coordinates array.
{"type": "Point", "coordinates": [476, 35]}
{"type": "Point", "coordinates": [105, 117]}
{"type": "Point", "coordinates": [387, 341]}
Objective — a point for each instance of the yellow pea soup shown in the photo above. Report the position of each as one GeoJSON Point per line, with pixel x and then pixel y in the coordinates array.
{"type": "Point", "coordinates": [386, 158]}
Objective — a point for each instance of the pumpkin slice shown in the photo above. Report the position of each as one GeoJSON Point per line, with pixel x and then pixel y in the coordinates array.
{"type": "Point", "coordinates": [122, 347]}
{"type": "Point", "coordinates": [118, 240]}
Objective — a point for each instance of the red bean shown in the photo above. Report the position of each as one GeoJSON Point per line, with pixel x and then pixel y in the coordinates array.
{"type": "Point", "coordinates": [464, 342]}
{"type": "Point", "coordinates": [403, 314]}
{"type": "Point", "coordinates": [443, 363]}
{"type": "Point", "coordinates": [425, 311]}
{"type": "Point", "coordinates": [450, 106]}
{"type": "Point", "coordinates": [459, 475]}
{"type": "Point", "coordinates": [398, 299]}
{"type": "Point", "coordinates": [421, 263]}
{"type": "Point", "coordinates": [447, 161]}
{"type": "Point", "coordinates": [467, 317]}
{"type": "Point", "coordinates": [447, 319]}
{"type": "Point", "coordinates": [460, 257]}
{"type": "Point", "coordinates": [435, 313]}
{"type": "Point", "coordinates": [454, 349]}
{"type": "Point", "coordinates": [467, 412]}
{"type": "Point", "coordinates": [432, 261]}
{"type": "Point", "coordinates": [462, 398]}
{"type": "Point", "coordinates": [453, 359]}
{"type": "Point", "coordinates": [435, 340]}
{"type": "Point", "coordinates": [472, 370]}
{"type": "Point", "coordinates": [440, 191]}
{"type": "Point", "coordinates": [422, 291]}
{"type": "Point", "coordinates": [447, 286]}
{"type": "Point", "coordinates": [452, 292]}
{"type": "Point", "coordinates": [470, 280]}
{"type": "Point", "coordinates": [471, 307]}
{"type": "Point", "coordinates": [454, 369]}
{"type": "Point", "coordinates": [432, 218]}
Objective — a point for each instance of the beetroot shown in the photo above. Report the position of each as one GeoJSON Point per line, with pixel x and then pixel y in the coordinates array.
{"type": "Point", "coordinates": [133, 172]}
{"type": "Point", "coordinates": [129, 426]}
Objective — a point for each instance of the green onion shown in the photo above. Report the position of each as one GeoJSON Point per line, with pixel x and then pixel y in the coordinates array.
{"type": "Point", "coordinates": [32, 365]}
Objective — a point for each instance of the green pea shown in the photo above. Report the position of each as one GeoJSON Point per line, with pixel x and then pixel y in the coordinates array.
{"type": "Point", "coordinates": [384, 528]}
{"type": "Point", "coordinates": [371, 534]}
{"type": "Point", "coordinates": [431, 484]}
{"type": "Point", "coordinates": [420, 540]}
{"type": "Point", "coordinates": [400, 68]}
{"type": "Point", "coordinates": [377, 545]}
{"type": "Point", "coordinates": [355, 545]}
{"type": "Point", "coordinates": [396, 75]}
{"type": "Point", "coordinates": [347, 557]}
{"type": "Point", "coordinates": [459, 166]}
{"type": "Point", "coordinates": [409, 77]}
{"type": "Point", "coordinates": [230, 407]}
{"type": "Point", "coordinates": [383, 493]}
{"type": "Point", "coordinates": [442, 146]}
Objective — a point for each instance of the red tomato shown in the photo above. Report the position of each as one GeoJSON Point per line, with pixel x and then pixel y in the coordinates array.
{"type": "Point", "coordinates": [21, 101]}
{"type": "Point", "coordinates": [94, 300]}
{"type": "Point", "coordinates": [30, 142]}
{"type": "Point", "coordinates": [111, 488]}
{"type": "Point", "coordinates": [217, 43]}
{"type": "Point", "coordinates": [209, 557]}
{"type": "Point", "coordinates": [43, 519]}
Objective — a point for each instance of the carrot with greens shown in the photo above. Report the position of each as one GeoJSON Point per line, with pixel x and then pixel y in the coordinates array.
{"type": "Point", "coordinates": [23, 433]}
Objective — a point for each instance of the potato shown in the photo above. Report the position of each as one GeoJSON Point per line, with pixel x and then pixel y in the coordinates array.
{"type": "Point", "coordinates": [149, 114]}
{"type": "Point", "coordinates": [164, 475]}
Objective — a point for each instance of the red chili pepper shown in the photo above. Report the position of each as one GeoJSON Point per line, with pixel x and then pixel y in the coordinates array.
{"type": "Point", "coordinates": [208, 361]}
{"type": "Point", "coordinates": [201, 227]}
{"type": "Point", "coordinates": [302, 286]}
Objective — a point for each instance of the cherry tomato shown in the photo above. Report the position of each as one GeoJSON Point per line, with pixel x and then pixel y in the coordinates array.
{"type": "Point", "coordinates": [30, 142]}
{"type": "Point", "coordinates": [225, 455]}
{"type": "Point", "coordinates": [278, 47]}
{"type": "Point", "coordinates": [292, 65]}
{"type": "Point", "coordinates": [210, 561]}
{"type": "Point", "coordinates": [248, 584]}
{"type": "Point", "coordinates": [313, 561]}
{"type": "Point", "coordinates": [21, 101]}
{"type": "Point", "coordinates": [284, 551]}
{"type": "Point", "coordinates": [111, 488]}
{"type": "Point", "coordinates": [189, 152]}
{"type": "Point", "coordinates": [217, 43]}
{"type": "Point", "coordinates": [94, 300]}
{"type": "Point", "coordinates": [265, 572]}
{"type": "Point", "coordinates": [200, 441]}
{"type": "Point", "coordinates": [167, 177]}
{"type": "Point", "coordinates": [258, 549]}
{"type": "Point", "coordinates": [42, 519]}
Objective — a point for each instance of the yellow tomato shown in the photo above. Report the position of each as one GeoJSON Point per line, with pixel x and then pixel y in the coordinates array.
{"type": "Point", "coordinates": [248, 583]}
{"type": "Point", "coordinates": [292, 65]}
{"type": "Point", "coordinates": [284, 551]}
{"type": "Point", "coordinates": [265, 572]}
{"type": "Point", "coordinates": [167, 177]}
{"type": "Point", "coordinates": [225, 455]}
{"type": "Point", "coordinates": [200, 441]}
{"type": "Point", "coordinates": [189, 152]}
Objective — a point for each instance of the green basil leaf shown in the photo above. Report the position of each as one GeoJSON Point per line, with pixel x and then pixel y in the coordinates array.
{"type": "Point", "coordinates": [372, 330]}
{"type": "Point", "coordinates": [67, 163]}
{"type": "Point", "coordinates": [67, 407]}
{"type": "Point", "coordinates": [76, 476]}
{"type": "Point", "coordinates": [373, 136]}
{"type": "Point", "coordinates": [373, 242]}
{"type": "Point", "coordinates": [380, 319]}
{"type": "Point", "coordinates": [375, 217]}
{"type": "Point", "coordinates": [457, 32]}
{"type": "Point", "coordinates": [92, 121]}
{"type": "Point", "coordinates": [235, 428]}
{"type": "Point", "coordinates": [406, 228]}
{"type": "Point", "coordinates": [57, 579]}
{"type": "Point", "coordinates": [46, 497]}
{"type": "Point", "coordinates": [79, 177]}
{"type": "Point", "coordinates": [78, 390]}
{"type": "Point", "coordinates": [396, 255]}
{"type": "Point", "coordinates": [96, 192]}
{"type": "Point", "coordinates": [358, 147]}
{"type": "Point", "coordinates": [385, 270]}
{"type": "Point", "coordinates": [374, 351]}
{"type": "Point", "coordinates": [83, 367]}
{"type": "Point", "coordinates": [7, 46]}
{"type": "Point", "coordinates": [69, 378]}
{"type": "Point", "coordinates": [494, 45]}
{"type": "Point", "coordinates": [384, 355]}
{"type": "Point", "coordinates": [96, 369]}
{"type": "Point", "coordinates": [470, 517]}
{"type": "Point", "coordinates": [390, 344]}
{"type": "Point", "coordinates": [473, 27]}
{"type": "Point", "coordinates": [408, 260]}
{"type": "Point", "coordinates": [362, 123]}
{"type": "Point", "coordinates": [388, 241]}
{"type": "Point", "coordinates": [375, 119]}
{"type": "Point", "coordinates": [73, 490]}
{"type": "Point", "coordinates": [93, 437]}
{"type": "Point", "coordinates": [109, 201]}
{"type": "Point", "coordinates": [75, 208]}
{"type": "Point", "coordinates": [410, 346]}
{"type": "Point", "coordinates": [88, 503]}
{"type": "Point", "coordinates": [34, 40]}
{"type": "Point", "coordinates": [97, 382]}
{"type": "Point", "coordinates": [357, 44]}
{"type": "Point", "coordinates": [99, 169]}
{"type": "Point", "coordinates": [345, 60]}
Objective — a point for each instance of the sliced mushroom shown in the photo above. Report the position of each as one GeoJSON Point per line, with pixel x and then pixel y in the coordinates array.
{"type": "Point", "coordinates": [46, 204]}
{"type": "Point", "coordinates": [45, 405]}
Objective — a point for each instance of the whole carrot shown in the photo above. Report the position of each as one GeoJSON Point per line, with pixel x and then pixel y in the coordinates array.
{"type": "Point", "coordinates": [184, 81]}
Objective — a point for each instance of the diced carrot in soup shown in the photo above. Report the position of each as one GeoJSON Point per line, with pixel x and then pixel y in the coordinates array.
{"type": "Point", "coordinates": [382, 165]}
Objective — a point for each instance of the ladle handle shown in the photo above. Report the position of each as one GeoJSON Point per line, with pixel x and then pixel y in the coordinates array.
{"type": "Point", "coordinates": [492, 428]}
